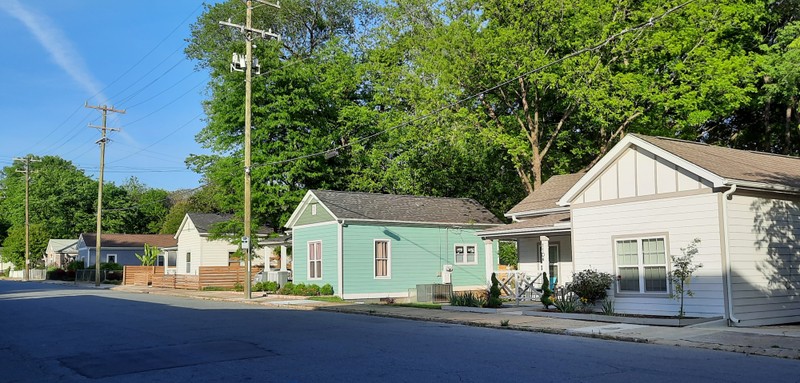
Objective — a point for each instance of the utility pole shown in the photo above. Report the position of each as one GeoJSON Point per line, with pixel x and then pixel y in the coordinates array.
{"type": "Point", "coordinates": [27, 172]}
{"type": "Point", "coordinates": [249, 33]}
{"type": "Point", "coordinates": [102, 141]}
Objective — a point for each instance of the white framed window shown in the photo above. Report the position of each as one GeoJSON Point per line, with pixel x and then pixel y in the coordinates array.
{"type": "Point", "coordinates": [313, 209]}
{"type": "Point", "coordinates": [315, 260]}
{"type": "Point", "coordinates": [383, 259]}
{"type": "Point", "coordinates": [188, 263]}
{"type": "Point", "coordinates": [111, 258]}
{"type": "Point", "coordinates": [466, 254]}
{"type": "Point", "coordinates": [641, 265]}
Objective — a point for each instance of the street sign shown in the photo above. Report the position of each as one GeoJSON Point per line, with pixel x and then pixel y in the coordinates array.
{"type": "Point", "coordinates": [246, 243]}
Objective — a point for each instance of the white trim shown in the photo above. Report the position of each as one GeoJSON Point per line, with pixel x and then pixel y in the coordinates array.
{"type": "Point", "coordinates": [340, 256]}
{"type": "Point", "coordinates": [388, 258]}
{"type": "Point", "coordinates": [313, 209]}
{"type": "Point", "coordinates": [301, 207]}
{"type": "Point", "coordinates": [463, 225]}
{"type": "Point", "coordinates": [466, 259]}
{"type": "Point", "coordinates": [536, 213]}
{"type": "Point", "coordinates": [403, 294]}
{"type": "Point", "coordinates": [618, 149]}
{"type": "Point", "coordinates": [112, 255]}
{"type": "Point", "coordinates": [315, 224]}
{"type": "Point", "coordinates": [534, 230]}
{"type": "Point", "coordinates": [308, 260]}
{"type": "Point", "coordinates": [180, 228]}
{"type": "Point", "coordinates": [639, 238]}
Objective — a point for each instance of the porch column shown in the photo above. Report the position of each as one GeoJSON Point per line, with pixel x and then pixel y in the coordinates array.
{"type": "Point", "coordinates": [488, 248]}
{"type": "Point", "coordinates": [283, 258]}
{"type": "Point", "coordinates": [544, 242]}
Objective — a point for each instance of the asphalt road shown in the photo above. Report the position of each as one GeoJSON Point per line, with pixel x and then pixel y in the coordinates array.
{"type": "Point", "coordinates": [51, 333]}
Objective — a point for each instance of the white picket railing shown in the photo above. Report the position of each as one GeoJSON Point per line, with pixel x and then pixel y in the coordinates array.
{"type": "Point", "coordinates": [35, 274]}
{"type": "Point", "coordinates": [518, 285]}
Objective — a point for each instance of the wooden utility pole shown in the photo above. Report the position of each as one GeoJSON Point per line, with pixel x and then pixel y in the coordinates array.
{"type": "Point", "coordinates": [249, 33]}
{"type": "Point", "coordinates": [27, 172]}
{"type": "Point", "coordinates": [102, 141]}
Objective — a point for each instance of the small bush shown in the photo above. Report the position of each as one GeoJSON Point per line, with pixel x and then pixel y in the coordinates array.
{"type": "Point", "coordinates": [56, 275]}
{"type": "Point", "coordinates": [313, 290]}
{"type": "Point", "coordinates": [547, 298]}
{"type": "Point", "coordinates": [467, 299]}
{"type": "Point", "coordinates": [566, 302]}
{"type": "Point", "coordinates": [608, 307]}
{"type": "Point", "coordinates": [494, 294]}
{"type": "Point", "coordinates": [75, 265]}
{"type": "Point", "coordinates": [590, 285]}
{"type": "Point", "coordinates": [269, 286]}
{"type": "Point", "coordinates": [300, 289]}
{"type": "Point", "coordinates": [238, 287]}
{"type": "Point", "coordinates": [287, 289]}
{"type": "Point", "coordinates": [111, 266]}
{"type": "Point", "coordinates": [326, 289]}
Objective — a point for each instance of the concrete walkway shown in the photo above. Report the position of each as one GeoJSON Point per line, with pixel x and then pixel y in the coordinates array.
{"type": "Point", "coordinates": [775, 341]}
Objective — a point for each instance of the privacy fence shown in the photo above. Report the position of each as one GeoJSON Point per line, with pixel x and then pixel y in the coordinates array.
{"type": "Point", "coordinates": [208, 276]}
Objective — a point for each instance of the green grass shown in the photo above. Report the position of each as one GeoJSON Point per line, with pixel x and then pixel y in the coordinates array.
{"type": "Point", "coordinates": [432, 306]}
{"type": "Point", "coordinates": [326, 298]}
{"type": "Point", "coordinates": [216, 288]}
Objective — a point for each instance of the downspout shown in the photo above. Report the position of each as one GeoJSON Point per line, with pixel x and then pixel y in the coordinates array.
{"type": "Point", "coordinates": [340, 257]}
{"type": "Point", "coordinates": [725, 197]}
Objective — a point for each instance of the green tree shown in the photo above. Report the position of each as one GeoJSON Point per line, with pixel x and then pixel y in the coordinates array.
{"type": "Point", "coordinates": [309, 84]}
{"type": "Point", "coordinates": [14, 245]}
{"type": "Point", "coordinates": [683, 267]}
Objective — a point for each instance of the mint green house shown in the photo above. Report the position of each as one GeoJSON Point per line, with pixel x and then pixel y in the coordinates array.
{"type": "Point", "coordinates": [370, 245]}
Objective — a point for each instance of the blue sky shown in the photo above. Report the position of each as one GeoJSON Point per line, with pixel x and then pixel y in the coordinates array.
{"type": "Point", "coordinates": [57, 55]}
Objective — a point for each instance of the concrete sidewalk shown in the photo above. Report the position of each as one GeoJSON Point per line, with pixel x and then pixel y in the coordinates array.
{"type": "Point", "coordinates": [775, 341]}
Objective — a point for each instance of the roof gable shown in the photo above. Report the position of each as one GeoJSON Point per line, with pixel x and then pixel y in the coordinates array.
{"type": "Point", "coordinates": [694, 165]}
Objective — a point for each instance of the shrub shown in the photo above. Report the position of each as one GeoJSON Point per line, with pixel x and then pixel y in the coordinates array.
{"type": "Point", "coordinates": [111, 266]}
{"type": "Point", "coordinates": [299, 289]}
{"type": "Point", "coordinates": [494, 294]}
{"type": "Point", "coordinates": [326, 289]}
{"type": "Point", "coordinates": [608, 307]}
{"type": "Point", "coordinates": [590, 285]}
{"type": "Point", "coordinates": [268, 286]}
{"type": "Point", "coordinates": [75, 265]}
{"type": "Point", "coordinates": [56, 275]}
{"type": "Point", "coordinates": [287, 289]}
{"type": "Point", "coordinates": [238, 287]}
{"type": "Point", "coordinates": [467, 299]}
{"type": "Point", "coordinates": [547, 294]}
{"type": "Point", "coordinates": [682, 269]}
{"type": "Point", "coordinates": [312, 290]}
{"type": "Point", "coordinates": [565, 302]}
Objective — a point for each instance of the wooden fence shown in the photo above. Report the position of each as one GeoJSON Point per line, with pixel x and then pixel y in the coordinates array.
{"type": "Point", "coordinates": [208, 276]}
{"type": "Point", "coordinates": [140, 275]}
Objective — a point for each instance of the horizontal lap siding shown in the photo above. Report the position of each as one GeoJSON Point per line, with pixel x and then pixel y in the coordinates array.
{"type": "Point", "coordinates": [682, 219]}
{"type": "Point", "coordinates": [418, 255]}
{"type": "Point", "coordinates": [328, 235]}
{"type": "Point", "coordinates": [765, 257]}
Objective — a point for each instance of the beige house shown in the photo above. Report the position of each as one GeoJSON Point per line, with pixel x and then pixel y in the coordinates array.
{"type": "Point", "coordinates": [650, 197]}
{"type": "Point", "coordinates": [195, 247]}
{"type": "Point", "coordinates": [59, 252]}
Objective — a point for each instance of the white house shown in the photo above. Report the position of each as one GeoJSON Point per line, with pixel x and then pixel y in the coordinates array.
{"type": "Point", "coordinates": [649, 197]}
{"type": "Point", "coordinates": [195, 247]}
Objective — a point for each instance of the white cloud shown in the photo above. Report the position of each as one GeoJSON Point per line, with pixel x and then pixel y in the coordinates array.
{"type": "Point", "coordinates": [54, 42]}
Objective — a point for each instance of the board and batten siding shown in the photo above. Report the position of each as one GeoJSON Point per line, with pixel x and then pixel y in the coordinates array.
{"type": "Point", "coordinates": [639, 173]}
{"type": "Point", "coordinates": [310, 215]}
{"type": "Point", "coordinates": [765, 254]}
{"type": "Point", "coordinates": [417, 256]}
{"type": "Point", "coordinates": [327, 234]}
{"type": "Point", "coordinates": [682, 219]}
{"type": "Point", "coordinates": [530, 260]}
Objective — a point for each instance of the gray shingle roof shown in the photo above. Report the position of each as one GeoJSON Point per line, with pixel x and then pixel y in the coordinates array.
{"type": "Point", "coordinates": [129, 240]}
{"type": "Point", "coordinates": [547, 195]}
{"type": "Point", "coordinates": [734, 164]}
{"type": "Point", "coordinates": [204, 221]}
{"type": "Point", "coordinates": [404, 208]}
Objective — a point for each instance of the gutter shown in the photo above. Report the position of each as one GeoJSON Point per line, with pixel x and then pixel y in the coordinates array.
{"type": "Point", "coordinates": [725, 197]}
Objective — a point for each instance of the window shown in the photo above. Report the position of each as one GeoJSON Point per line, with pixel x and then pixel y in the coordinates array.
{"type": "Point", "coordinates": [315, 260]}
{"type": "Point", "coordinates": [111, 258]}
{"type": "Point", "coordinates": [383, 266]}
{"type": "Point", "coordinates": [172, 258]}
{"type": "Point", "coordinates": [188, 263]}
{"type": "Point", "coordinates": [642, 265]}
{"type": "Point", "coordinates": [466, 255]}
{"type": "Point", "coordinates": [313, 209]}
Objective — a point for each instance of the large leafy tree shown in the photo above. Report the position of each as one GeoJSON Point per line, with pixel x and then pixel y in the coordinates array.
{"type": "Point", "coordinates": [304, 102]}
{"type": "Point", "coordinates": [554, 112]}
